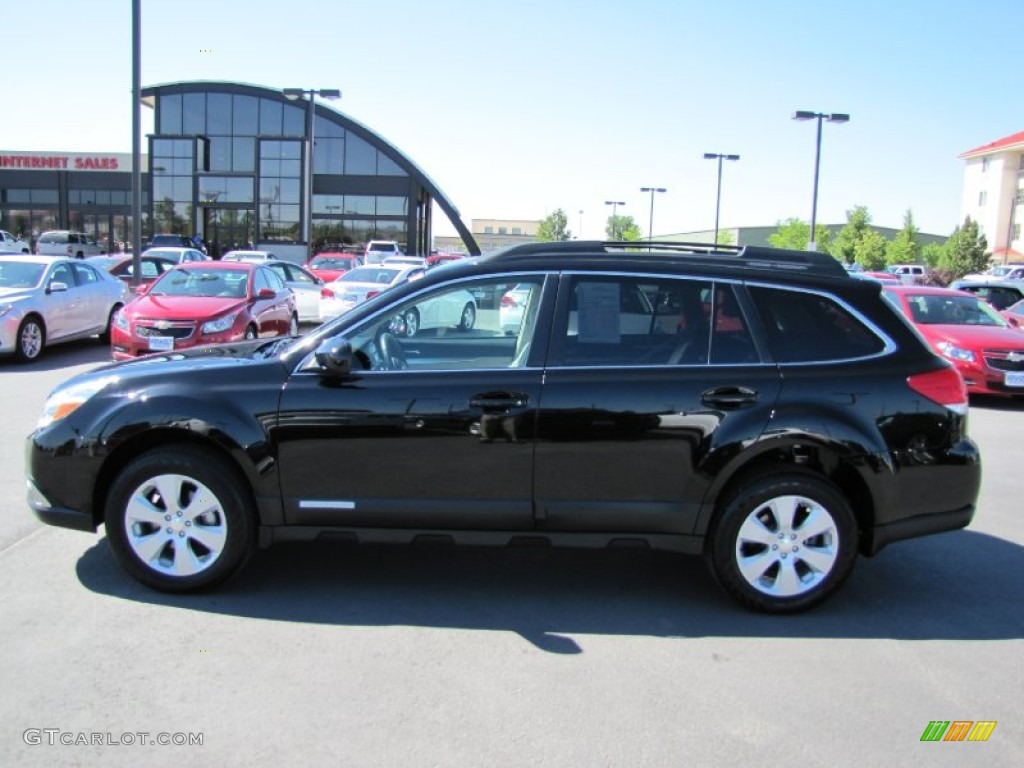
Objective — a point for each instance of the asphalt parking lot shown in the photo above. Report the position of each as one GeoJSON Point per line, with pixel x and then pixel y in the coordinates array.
{"type": "Point", "coordinates": [330, 654]}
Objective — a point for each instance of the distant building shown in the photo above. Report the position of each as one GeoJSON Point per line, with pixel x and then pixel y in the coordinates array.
{"type": "Point", "coordinates": [491, 234]}
{"type": "Point", "coordinates": [994, 194]}
{"type": "Point", "coordinates": [760, 235]}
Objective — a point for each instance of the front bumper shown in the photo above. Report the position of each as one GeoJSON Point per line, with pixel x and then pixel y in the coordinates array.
{"type": "Point", "coordinates": [61, 517]}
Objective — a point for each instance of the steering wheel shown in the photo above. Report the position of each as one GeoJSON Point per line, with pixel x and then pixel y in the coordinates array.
{"type": "Point", "coordinates": [391, 352]}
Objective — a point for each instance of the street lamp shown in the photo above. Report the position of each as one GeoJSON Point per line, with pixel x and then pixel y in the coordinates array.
{"type": "Point", "coordinates": [294, 94]}
{"type": "Point", "coordinates": [579, 232]}
{"type": "Point", "coordinates": [718, 197]}
{"type": "Point", "coordinates": [615, 210]}
{"type": "Point", "coordinates": [650, 222]}
{"type": "Point", "coordinates": [835, 117]}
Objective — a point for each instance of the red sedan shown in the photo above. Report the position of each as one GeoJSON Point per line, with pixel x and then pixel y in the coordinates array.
{"type": "Point", "coordinates": [206, 302]}
{"type": "Point", "coordinates": [331, 266]}
{"type": "Point", "coordinates": [121, 265]}
{"type": "Point", "coordinates": [987, 351]}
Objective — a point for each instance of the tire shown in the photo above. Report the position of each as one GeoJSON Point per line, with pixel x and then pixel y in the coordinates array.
{"type": "Point", "coordinates": [250, 333]}
{"type": "Point", "coordinates": [177, 545]}
{"type": "Point", "coordinates": [105, 336]}
{"type": "Point", "coordinates": [468, 319]}
{"type": "Point", "coordinates": [412, 322]}
{"type": "Point", "coordinates": [293, 326]}
{"type": "Point", "coordinates": [31, 339]}
{"type": "Point", "coordinates": [783, 543]}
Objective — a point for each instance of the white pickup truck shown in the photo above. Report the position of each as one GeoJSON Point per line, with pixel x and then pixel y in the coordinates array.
{"type": "Point", "coordinates": [9, 243]}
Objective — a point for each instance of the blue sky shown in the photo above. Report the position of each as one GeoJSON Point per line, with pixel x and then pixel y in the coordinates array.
{"type": "Point", "coordinates": [518, 108]}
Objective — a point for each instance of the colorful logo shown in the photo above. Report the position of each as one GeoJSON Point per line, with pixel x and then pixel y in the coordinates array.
{"type": "Point", "coordinates": [958, 730]}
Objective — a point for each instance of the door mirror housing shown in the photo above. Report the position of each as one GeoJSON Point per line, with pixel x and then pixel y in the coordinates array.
{"type": "Point", "coordinates": [334, 356]}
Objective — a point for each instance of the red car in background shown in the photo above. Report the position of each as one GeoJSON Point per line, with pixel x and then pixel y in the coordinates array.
{"type": "Point", "coordinates": [120, 266]}
{"type": "Point", "coordinates": [1014, 315]}
{"type": "Point", "coordinates": [967, 331]}
{"type": "Point", "coordinates": [206, 302]}
{"type": "Point", "coordinates": [331, 266]}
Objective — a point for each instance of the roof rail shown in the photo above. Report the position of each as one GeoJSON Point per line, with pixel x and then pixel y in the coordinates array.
{"type": "Point", "coordinates": [754, 256]}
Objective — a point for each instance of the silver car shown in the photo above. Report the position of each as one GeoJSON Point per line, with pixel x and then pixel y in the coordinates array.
{"type": "Point", "coordinates": [362, 283]}
{"type": "Point", "coordinates": [46, 300]}
{"type": "Point", "coordinates": [304, 284]}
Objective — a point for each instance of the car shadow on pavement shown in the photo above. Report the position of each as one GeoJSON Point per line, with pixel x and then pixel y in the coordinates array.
{"type": "Point", "coordinates": [957, 586]}
{"type": "Point", "coordinates": [67, 355]}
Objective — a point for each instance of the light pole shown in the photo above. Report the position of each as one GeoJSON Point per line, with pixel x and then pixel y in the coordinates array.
{"type": "Point", "coordinates": [718, 196]}
{"type": "Point", "coordinates": [293, 94]}
{"type": "Point", "coordinates": [615, 211]}
{"type": "Point", "coordinates": [835, 117]}
{"type": "Point", "coordinates": [579, 232]}
{"type": "Point", "coordinates": [650, 222]}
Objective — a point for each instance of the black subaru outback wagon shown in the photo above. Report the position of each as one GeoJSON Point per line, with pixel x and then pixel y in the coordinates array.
{"type": "Point", "coordinates": [754, 406]}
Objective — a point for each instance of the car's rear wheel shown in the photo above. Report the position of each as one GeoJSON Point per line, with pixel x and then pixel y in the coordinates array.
{"type": "Point", "coordinates": [30, 340]}
{"type": "Point", "coordinates": [293, 326]}
{"type": "Point", "coordinates": [177, 519]}
{"type": "Point", "coordinates": [783, 543]}
{"type": "Point", "coordinates": [468, 319]}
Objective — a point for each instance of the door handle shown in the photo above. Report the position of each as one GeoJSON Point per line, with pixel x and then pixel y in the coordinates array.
{"type": "Point", "coordinates": [729, 397]}
{"type": "Point", "coordinates": [499, 401]}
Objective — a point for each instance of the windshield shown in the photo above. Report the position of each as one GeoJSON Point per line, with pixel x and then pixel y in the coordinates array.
{"type": "Point", "coordinates": [19, 274]}
{"type": "Point", "coordinates": [198, 282]}
{"type": "Point", "coordinates": [936, 309]}
{"type": "Point", "coordinates": [380, 275]}
{"type": "Point", "coordinates": [330, 262]}
{"type": "Point", "coordinates": [382, 247]}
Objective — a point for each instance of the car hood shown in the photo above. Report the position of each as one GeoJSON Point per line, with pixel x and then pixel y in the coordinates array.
{"type": "Point", "coordinates": [975, 336]}
{"type": "Point", "coordinates": [15, 294]}
{"type": "Point", "coordinates": [182, 307]}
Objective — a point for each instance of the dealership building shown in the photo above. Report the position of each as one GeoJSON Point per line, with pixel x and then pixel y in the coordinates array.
{"type": "Point", "coordinates": [229, 162]}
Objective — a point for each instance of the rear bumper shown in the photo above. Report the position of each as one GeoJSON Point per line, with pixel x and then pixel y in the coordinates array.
{"type": "Point", "coordinates": [913, 527]}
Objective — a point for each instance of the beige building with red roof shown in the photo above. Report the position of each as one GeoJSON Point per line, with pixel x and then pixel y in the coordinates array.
{"type": "Point", "coordinates": [994, 195]}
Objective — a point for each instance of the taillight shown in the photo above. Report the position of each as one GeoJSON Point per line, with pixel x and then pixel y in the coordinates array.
{"type": "Point", "coordinates": [945, 387]}
{"type": "Point", "coordinates": [326, 293]}
{"type": "Point", "coordinates": [371, 294]}
{"type": "Point", "coordinates": [508, 301]}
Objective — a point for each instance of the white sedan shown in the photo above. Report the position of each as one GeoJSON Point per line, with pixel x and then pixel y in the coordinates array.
{"type": "Point", "coordinates": [362, 283]}
{"type": "Point", "coordinates": [46, 300]}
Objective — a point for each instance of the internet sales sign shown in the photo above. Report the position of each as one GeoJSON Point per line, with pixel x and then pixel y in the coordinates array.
{"type": "Point", "coordinates": [65, 161]}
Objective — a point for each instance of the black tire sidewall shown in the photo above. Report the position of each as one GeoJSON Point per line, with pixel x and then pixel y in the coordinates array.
{"type": "Point", "coordinates": [721, 550]}
{"type": "Point", "coordinates": [206, 467]}
{"type": "Point", "coordinates": [463, 325]}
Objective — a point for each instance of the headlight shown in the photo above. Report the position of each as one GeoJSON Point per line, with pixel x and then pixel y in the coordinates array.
{"type": "Point", "coordinates": [221, 324]}
{"type": "Point", "coordinates": [954, 352]}
{"type": "Point", "coordinates": [64, 402]}
{"type": "Point", "coordinates": [121, 321]}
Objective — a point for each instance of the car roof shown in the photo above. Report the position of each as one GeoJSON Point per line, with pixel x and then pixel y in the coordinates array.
{"type": "Point", "coordinates": [32, 258]}
{"type": "Point", "coordinates": [227, 266]}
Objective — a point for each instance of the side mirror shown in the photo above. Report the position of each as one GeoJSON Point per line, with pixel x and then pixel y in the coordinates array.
{"type": "Point", "coordinates": [142, 288]}
{"type": "Point", "coordinates": [266, 293]}
{"type": "Point", "coordinates": [57, 287]}
{"type": "Point", "coordinates": [334, 356]}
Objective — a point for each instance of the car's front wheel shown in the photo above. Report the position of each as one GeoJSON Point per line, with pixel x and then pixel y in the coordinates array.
{"type": "Point", "coordinates": [30, 340]}
{"type": "Point", "coordinates": [105, 336]}
{"type": "Point", "coordinates": [178, 521]}
{"type": "Point", "coordinates": [250, 333]}
{"type": "Point", "coordinates": [468, 318]}
{"type": "Point", "coordinates": [783, 543]}
{"type": "Point", "coordinates": [293, 326]}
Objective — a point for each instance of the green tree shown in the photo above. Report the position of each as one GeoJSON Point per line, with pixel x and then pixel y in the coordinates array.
{"type": "Point", "coordinates": [931, 254]}
{"type": "Point", "coordinates": [622, 228]}
{"type": "Point", "coordinates": [794, 235]}
{"type": "Point", "coordinates": [965, 251]}
{"type": "Point", "coordinates": [858, 224]}
{"type": "Point", "coordinates": [554, 227]}
{"type": "Point", "coordinates": [903, 248]}
{"type": "Point", "coordinates": [869, 251]}
{"type": "Point", "coordinates": [727, 237]}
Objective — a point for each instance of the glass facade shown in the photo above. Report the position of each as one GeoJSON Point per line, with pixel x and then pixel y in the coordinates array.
{"type": "Point", "coordinates": [227, 162]}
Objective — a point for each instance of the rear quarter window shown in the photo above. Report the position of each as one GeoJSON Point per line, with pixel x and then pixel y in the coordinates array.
{"type": "Point", "coordinates": [806, 327]}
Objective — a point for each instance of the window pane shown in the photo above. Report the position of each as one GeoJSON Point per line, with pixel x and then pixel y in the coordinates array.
{"type": "Point", "coordinates": [786, 316]}
{"type": "Point", "coordinates": [218, 113]}
{"type": "Point", "coordinates": [270, 117]}
{"type": "Point", "coordinates": [243, 155]}
{"type": "Point", "coordinates": [194, 113]}
{"type": "Point", "coordinates": [220, 153]}
{"type": "Point", "coordinates": [294, 121]}
{"type": "Point", "coordinates": [360, 157]}
{"type": "Point", "coordinates": [245, 120]}
{"type": "Point", "coordinates": [388, 167]}
{"type": "Point", "coordinates": [327, 128]}
{"type": "Point", "coordinates": [170, 113]}
{"type": "Point", "coordinates": [291, 190]}
{"type": "Point", "coordinates": [361, 204]}
{"type": "Point", "coordinates": [329, 156]}
{"type": "Point", "coordinates": [291, 168]}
